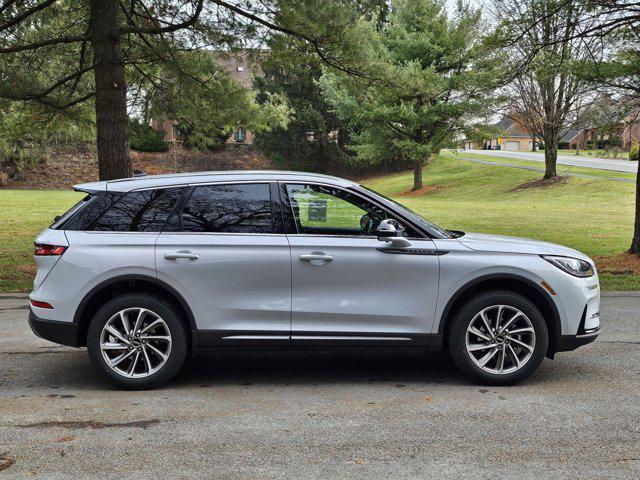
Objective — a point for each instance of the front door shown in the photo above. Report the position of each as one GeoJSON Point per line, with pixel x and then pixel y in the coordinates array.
{"type": "Point", "coordinates": [348, 287]}
{"type": "Point", "coordinates": [228, 257]}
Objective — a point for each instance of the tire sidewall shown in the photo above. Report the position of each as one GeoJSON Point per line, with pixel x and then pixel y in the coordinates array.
{"type": "Point", "coordinates": [457, 343]}
{"type": "Point", "coordinates": [171, 317]}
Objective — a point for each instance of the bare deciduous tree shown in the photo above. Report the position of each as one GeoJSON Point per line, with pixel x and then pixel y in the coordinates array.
{"type": "Point", "coordinates": [542, 47]}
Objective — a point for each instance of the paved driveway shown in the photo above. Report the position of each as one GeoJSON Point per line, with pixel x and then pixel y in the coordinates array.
{"type": "Point", "coordinates": [575, 161]}
{"type": "Point", "coordinates": [318, 415]}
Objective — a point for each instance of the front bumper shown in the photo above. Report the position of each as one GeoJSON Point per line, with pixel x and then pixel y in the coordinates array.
{"type": "Point", "coordinates": [64, 333]}
{"type": "Point", "coordinates": [571, 342]}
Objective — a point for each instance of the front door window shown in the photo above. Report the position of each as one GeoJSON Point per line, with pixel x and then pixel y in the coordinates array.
{"type": "Point", "coordinates": [322, 210]}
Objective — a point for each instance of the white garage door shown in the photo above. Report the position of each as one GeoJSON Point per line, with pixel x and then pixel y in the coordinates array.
{"type": "Point", "coordinates": [512, 146]}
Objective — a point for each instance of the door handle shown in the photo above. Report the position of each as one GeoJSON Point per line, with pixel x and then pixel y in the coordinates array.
{"type": "Point", "coordinates": [177, 255]}
{"type": "Point", "coordinates": [321, 257]}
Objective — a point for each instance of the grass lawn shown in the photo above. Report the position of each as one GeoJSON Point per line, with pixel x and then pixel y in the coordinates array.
{"type": "Point", "coordinates": [591, 215]}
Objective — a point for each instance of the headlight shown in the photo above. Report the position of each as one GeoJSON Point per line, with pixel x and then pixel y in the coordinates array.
{"type": "Point", "coordinates": [573, 266]}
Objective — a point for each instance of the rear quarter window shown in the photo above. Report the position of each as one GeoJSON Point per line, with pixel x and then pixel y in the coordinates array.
{"type": "Point", "coordinates": [86, 211]}
{"type": "Point", "coordinates": [139, 211]}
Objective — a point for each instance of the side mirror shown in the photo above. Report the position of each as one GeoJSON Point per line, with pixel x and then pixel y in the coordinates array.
{"type": "Point", "coordinates": [391, 231]}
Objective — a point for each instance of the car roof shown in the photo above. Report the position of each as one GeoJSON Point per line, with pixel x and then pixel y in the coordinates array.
{"type": "Point", "coordinates": [178, 179]}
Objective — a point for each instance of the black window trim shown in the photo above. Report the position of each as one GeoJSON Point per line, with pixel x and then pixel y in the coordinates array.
{"type": "Point", "coordinates": [288, 210]}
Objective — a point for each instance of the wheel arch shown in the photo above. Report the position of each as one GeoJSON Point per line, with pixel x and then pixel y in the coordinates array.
{"type": "Point", "coordinates": [515, 283]}
{"type": "Point", "coordinates": [114, 286]}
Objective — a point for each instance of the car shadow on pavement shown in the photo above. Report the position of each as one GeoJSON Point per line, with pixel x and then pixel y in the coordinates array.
{"type": "Point", "coordinates": [319, 367]}
{"type": "Point", "coordinates": [70, 369]}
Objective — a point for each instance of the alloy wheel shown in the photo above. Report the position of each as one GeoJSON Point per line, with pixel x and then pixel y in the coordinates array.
{"type": "Point", "coordinates": [135, 342]}
{"type": "Point", "coordinates": [500, 339]}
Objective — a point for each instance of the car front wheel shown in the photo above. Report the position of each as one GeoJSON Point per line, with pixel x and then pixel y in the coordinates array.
{"type": "Point", "coordinates": [498, 338]}
{"type": "Point", "coordinates": [137, 340]}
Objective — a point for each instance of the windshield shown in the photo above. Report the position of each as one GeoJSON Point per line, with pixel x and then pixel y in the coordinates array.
{"type": "Point", "coordinates": [413, 216]}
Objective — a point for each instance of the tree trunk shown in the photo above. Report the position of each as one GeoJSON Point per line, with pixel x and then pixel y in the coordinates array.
{"type": "Point", "coordinates": [417, 176]}
{"type": "Point", "coordinates": [111, 105]}
{"type": "Point", "coordinates": [550, 151]}
{"type": "Point", "coordinates": [635, 243]}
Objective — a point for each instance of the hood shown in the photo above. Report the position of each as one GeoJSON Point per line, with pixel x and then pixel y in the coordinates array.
{"type": "Point", "coordinates": [505, 244]}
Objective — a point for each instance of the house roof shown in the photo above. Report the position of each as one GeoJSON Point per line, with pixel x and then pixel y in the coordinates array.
{"type": "Point", "coordinates": [512, 129]}
{"type": "Point", "coordinates": [568, 135]}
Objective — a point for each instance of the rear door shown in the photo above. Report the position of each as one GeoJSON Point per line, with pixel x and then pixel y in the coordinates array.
{"type": "Point", "coordinates": [225, 251]}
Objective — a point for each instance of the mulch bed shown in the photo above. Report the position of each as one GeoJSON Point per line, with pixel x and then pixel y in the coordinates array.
{"type": "Point", "coordinates": [542, 183]}
{"type": "Point", "coordinates": [621, 264]}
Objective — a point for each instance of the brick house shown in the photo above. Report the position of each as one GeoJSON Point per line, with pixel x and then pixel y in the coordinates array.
{"type": "Point", "coordinates": [242, 67]}
{"type": "Point", "coordinates": [628, 130]}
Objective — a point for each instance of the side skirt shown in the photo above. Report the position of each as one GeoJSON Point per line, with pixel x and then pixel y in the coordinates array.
{"type": "Point", "coordinates": [284, 339]}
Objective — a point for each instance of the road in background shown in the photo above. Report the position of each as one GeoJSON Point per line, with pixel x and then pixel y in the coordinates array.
{"type": "Point", "coordinates": [339, 415]}
{"type": "Point", "coordinates": [575, 161]}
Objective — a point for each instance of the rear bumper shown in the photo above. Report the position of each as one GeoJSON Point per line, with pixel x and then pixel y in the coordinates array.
{"type": "Point", "coordinates": [571, 342]}
{"type": "Point", "coordinates": [64, 333]}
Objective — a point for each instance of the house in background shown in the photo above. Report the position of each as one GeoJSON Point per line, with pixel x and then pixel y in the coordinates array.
{"type": "Point", "coordinates": [512, 136]}
{"type": "Point", "coordinates": [242, 67]}
{"type": "Point", "coordinates": [627, 130]}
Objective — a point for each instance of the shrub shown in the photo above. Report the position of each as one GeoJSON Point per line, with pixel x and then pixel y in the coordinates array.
{"type": "Point", "coordinates": [563, 145]}
{"type": "Point", "coordinates": [634, 152]}
{"type": "Point", "coordinates": [143, 138]}
{"type": "Point", "coordinates": [611, 143]}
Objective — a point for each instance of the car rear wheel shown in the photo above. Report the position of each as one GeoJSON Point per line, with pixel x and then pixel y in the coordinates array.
{"type": "Point", "coordinates": [137, 340]}
{"type": "Point", "coordinates": [498, 338]}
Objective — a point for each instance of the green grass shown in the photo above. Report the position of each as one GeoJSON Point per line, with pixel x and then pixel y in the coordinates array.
{"type": "Point", "coordinates": [23, 214]}
{"type": "Point", "coordinates": [592, 215]}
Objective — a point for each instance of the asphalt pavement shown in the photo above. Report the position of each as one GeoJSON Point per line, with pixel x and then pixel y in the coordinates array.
{"type": "Point", "coordinates": [322, 415]}
{"type": "Point", "coordinates": [572, 160]}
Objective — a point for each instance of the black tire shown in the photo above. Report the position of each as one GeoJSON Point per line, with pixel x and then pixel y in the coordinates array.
{"type": "Point", "coordinates": [456, 339]}
{"type": "Point", "coordinates": [171, 317]}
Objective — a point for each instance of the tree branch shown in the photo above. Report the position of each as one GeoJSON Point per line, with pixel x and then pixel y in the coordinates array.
{"type": "Point", "coordinates": [316, 43]}
{"type": "Point", "coordinates": [45, 43]}
{"type": "Point", "coordinates": [169, 28]}
{"type": "Point", "coordinates": [25, 14]}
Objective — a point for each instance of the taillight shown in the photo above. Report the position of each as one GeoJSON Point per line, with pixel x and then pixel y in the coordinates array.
{"type": "Point", "coordinates": [44, 249]}
{"type": "Point", "coordinates": [39, 304]}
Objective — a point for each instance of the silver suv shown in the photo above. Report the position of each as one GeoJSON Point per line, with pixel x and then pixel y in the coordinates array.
{"type": "Point", "coordinates": [147, 270]}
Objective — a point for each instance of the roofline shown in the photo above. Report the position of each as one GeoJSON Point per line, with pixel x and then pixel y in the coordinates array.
{"type": "Point", "coordinates": [223, 172]}
{"type": "Point", "coordinates": [155, 181]}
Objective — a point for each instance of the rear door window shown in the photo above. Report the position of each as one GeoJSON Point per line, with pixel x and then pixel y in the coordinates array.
{"type": "Point", "coordinates": [139, 211]}
{"type": "Point", "coordinates": [229, 208]}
